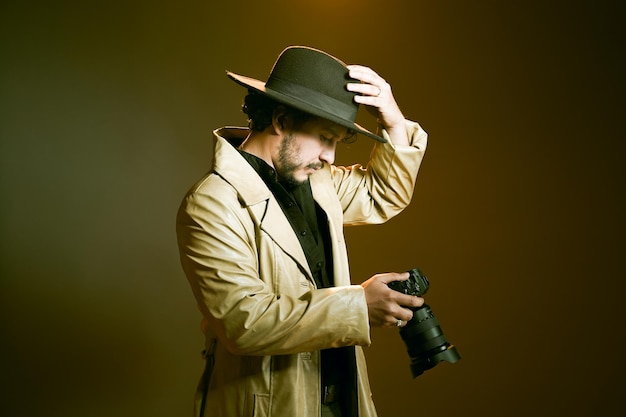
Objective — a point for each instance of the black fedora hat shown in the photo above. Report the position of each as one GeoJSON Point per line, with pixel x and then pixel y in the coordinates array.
{"type": "Point", "coordinates": [312, 81]}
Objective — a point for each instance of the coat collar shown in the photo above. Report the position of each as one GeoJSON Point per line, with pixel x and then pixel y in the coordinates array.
{"type": "Point", "coordinates": [233, 167]}
{"type": "Point", "coordinates": [254, 194]}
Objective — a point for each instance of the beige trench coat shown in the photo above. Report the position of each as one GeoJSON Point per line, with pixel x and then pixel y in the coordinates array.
{"type": "Point", "coordinates": [264, 319]}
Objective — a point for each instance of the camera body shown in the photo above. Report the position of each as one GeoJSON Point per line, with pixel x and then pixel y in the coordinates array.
{"type": "Point", "coordinates": [425, 342]}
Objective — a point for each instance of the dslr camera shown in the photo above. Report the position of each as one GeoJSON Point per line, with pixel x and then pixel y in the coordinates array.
{"type": "Point", "coordinates": [425, 342]}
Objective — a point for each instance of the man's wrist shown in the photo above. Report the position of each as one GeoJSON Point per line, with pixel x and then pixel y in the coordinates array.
{"type": "Point", "coordinates": [398, 134]}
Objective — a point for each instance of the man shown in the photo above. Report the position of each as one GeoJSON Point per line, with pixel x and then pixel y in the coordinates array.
{"type": "Point", "coordinates": [262, 245]}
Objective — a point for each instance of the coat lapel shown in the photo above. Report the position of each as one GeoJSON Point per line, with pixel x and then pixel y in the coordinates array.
{"type": "Point", "coordinates": [272, 221]}
{"type": "Point", "coordinates": [255, 195]}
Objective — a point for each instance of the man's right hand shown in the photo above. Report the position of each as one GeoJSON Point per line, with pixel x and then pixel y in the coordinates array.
{"type": "Point", "coordinates": [386, 306]}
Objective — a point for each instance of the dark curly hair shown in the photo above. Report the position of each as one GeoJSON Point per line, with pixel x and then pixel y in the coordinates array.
{"type": "Point", "coordinates": [260, 110]}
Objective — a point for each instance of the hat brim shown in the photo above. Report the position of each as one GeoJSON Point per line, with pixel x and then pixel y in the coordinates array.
{"type": "Point", "coordinates": [300, 104]}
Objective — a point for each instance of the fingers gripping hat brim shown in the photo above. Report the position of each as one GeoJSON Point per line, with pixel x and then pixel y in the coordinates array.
{"type": "Point", "coordinates": [311, 81]}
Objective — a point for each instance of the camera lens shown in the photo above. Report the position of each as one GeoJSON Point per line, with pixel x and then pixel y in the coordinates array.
{"type": "Point", "coordinates": [424, 340]}
{"type": "Point", "coordinates": [426, 344]}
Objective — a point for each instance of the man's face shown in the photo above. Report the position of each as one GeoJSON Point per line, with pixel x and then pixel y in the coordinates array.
{"type": "Point", "coordinates": [305, 150]}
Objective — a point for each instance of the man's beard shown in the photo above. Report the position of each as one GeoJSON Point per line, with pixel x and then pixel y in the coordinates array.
{"type": "Point", "coordinates": [288, 162]}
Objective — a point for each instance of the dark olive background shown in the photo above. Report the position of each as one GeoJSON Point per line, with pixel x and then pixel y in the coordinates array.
{"type": "Point", "coordinates": [518, 217]}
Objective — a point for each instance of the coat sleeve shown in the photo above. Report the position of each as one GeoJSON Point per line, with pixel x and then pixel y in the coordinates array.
{"type": "Point", "coordinates": [254, 300]}
{"type": "Point", "coordinates": [376, 193]}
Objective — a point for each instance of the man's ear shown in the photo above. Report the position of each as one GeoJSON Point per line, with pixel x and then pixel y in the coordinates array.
{"type": "Point", "coordinates": [279, 119]}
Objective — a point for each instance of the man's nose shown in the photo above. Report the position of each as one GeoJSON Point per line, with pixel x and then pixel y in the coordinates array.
{"type": "Point", "coordinates": [328, 154]}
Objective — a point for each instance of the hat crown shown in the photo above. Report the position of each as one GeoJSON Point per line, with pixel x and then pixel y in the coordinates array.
{"type": "Point", "coordinates": [322, 78]}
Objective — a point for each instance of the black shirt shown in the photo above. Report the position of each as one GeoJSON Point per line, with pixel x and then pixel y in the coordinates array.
{"type": "Point", "coordinates": [306, 217]}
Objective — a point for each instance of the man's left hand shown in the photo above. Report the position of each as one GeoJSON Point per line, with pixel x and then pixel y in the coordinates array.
{"type": "Point", "coordinates": [374, 92]}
